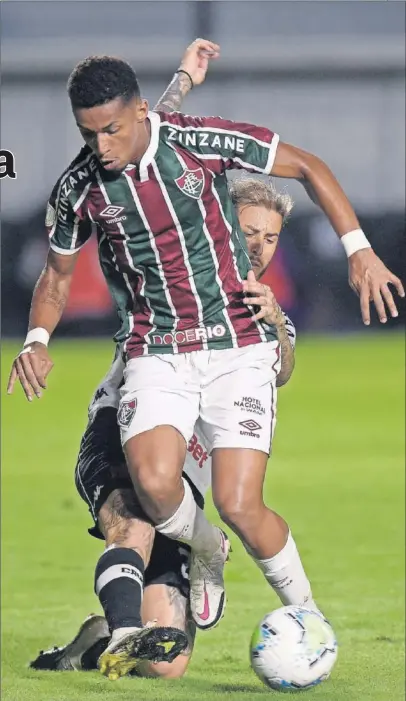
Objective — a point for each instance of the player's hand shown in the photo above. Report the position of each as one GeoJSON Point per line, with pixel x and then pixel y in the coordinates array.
{"type": "Point", "coordinates": [369, 278]}
{"type": "Point", "coordinates": [31, 367]}
{"type": "Point", "coordinates": [260, 295]}
{"type": "Point", "coordinates": [196, 59]}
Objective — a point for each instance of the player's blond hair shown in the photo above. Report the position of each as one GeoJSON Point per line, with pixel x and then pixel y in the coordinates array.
{"type": "Point", "coordinates": [253, 192]}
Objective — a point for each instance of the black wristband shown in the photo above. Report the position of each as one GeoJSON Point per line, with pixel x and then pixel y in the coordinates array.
{"type": "Point", "coordinates": [180, 70]}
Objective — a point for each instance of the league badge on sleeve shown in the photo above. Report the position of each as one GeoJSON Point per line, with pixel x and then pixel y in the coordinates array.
{"type": "Point", "coordinates": [126, 413]}
{"type": "Point", "coordinates": [50, 215]}
{"type": "Point", "coordinates": [191, 183]}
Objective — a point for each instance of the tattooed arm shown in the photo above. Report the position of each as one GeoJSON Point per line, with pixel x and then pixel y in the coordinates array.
{"type": "Point", "coordinates": [195, 63]}
{"type": "Point", "coordinates": [174, 94]}
{"type": "Point", "coordinates": [287, 354]}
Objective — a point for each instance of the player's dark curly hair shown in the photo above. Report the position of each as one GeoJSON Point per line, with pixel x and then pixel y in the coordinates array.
{"type": "Point", "coordinates": [101, 79]}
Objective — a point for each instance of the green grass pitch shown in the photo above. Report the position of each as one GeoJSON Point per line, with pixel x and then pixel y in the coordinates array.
{"type": "Point", "coordinates": [337, 475]}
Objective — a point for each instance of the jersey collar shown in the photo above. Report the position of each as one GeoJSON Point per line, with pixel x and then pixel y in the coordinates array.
{"type": "Point", "coordinates": [155, 122]}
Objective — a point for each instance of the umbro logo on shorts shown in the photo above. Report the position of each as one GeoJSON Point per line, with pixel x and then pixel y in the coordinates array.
{"type": "Point", "coordinates": [250, 425]}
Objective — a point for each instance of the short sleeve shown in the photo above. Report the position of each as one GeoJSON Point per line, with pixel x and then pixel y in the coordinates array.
{"type": "Point", "coordinates": [222, 144]}
{"type": "Point", "coordinates": [68, 230]}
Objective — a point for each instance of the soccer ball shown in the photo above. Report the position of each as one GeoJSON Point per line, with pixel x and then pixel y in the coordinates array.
{"type": "Point", "coordinates": [293, 648]}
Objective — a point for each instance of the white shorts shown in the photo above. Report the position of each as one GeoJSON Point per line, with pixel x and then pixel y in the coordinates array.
{"type": "Point", "coordinates": [233, 391]}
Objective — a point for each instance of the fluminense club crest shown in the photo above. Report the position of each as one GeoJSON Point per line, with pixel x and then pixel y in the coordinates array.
{"type": "Point", "coordinates": [126, 413]}
{"type": "Point", "coordinates": [191, 183]}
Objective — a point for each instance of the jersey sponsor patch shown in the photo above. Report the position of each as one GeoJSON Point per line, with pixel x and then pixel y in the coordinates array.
{"type": "Point", "coordinates": [189, 335]}
{"type": "Point", "coordinates": [191, 183]}
{"type": "Point", "coordinates": [50, 215]}
{"type": "Point", "coordinates": [126, 413]}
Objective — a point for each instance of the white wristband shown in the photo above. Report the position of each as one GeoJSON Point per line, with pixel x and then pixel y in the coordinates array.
{"type": "Point", "coordinates": [38, 335]}
{"type": "Point", "coordinates": [354, 241]}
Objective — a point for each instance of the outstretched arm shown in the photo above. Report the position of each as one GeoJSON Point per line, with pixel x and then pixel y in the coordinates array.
{"type": "Point", "coordinates": [368, 275]}
{"type": "Point", "coordinates": [191, 72]}
{"type": "Point", "coordinates": [174, 94]}
{"type": "Point", "coordinates": [51, 292]}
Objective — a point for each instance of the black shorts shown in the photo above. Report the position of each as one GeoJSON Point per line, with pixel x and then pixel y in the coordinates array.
{"type": "Point", "coordinates": [100, 469]}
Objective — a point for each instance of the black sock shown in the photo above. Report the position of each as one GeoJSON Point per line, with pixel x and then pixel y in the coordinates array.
{"type": "Point", "coordinates": [90, 658]}
{"type": "Point", "coordinates": [119, 582]}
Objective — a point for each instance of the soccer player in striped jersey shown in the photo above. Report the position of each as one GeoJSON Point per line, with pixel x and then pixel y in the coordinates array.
{"type": "Point", "coordinates": [153, 186]}
{"type": "Point", "coordinates": [103, 483]}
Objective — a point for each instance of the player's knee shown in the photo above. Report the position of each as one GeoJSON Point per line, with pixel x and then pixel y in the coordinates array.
{"type": "Point", "coordinates": [238, 512]}
{"type": "Point", "coordinates": [156, 471]}
{"type": "Point", "coordinates": [164, 670]}
{"type": "Point", "coordinates": [130, 533]}
{"type": "Point", "coordinates": [152, 474]}
{"type": "Point", "coordinates": [156, 481]}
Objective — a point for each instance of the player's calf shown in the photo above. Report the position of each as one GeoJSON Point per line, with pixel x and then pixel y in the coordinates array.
{"type": "Point", "coordinates": [119, 576]}
{"type": "Point", "coordinates": [124, 524]}
{"type": "Point", "coordinates": [119, 582]}
{"type": "Point", "coordinates": [238, 476]}
{"type": "Point", "coordinates": [262, 530]}
{"type": "Point", "coordinates": [237, 493]}
{"type": "Point", "coordinates": [164, 670]}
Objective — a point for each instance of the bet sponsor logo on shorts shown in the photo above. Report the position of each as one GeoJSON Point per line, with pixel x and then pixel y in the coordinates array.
{"type": "Point", "coordinates": [251, 426]}
{"type": "Point", "coordinates": [250, 404]}
{"type": "Point", "coordinates": [197, 451]}
{"type": "Point", "coordinates": [205, 333]}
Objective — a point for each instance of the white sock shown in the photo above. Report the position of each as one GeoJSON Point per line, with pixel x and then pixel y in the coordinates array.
{"type": "Point", "coordinates": [285, 573]}
{"type": "Point", "coordinates": [189, 525]}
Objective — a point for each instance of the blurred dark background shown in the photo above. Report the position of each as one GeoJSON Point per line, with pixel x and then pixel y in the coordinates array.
{"type": "Point", "coordinates": [327, 76]}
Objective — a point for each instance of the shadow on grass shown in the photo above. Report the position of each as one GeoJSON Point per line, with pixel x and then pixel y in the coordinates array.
{"type": "Point", "coordinates": [91, 685]}
{"type": "Point", "coordinates": [243, 688]}
{"type": "Point", "coordinates": [252, 691]}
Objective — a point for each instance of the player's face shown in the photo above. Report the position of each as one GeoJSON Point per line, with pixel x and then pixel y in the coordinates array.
{"type": "Point", "coordinates": [117, 132]}
{"type": "Point", "coordinates": [261, 227]}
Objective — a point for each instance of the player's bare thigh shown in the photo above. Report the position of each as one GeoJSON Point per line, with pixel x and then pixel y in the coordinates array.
{"type": "Point", "coordinates": [170, 608]}
{"type": "Point", "coordinates": [123, 523]}
{"type": "Point", "coordinates": [155, 460]}
{"type": "Point", "coordinates": [158, 409]}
